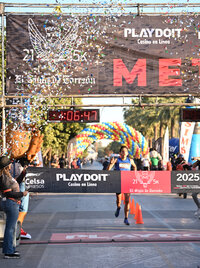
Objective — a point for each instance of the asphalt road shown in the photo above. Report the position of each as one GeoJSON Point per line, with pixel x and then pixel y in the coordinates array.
{"type": "Point", "coordinates": [81, 231]}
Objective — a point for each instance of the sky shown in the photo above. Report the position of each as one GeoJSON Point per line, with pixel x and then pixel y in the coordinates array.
{"type": "Point", "coordinates": [106, 114]}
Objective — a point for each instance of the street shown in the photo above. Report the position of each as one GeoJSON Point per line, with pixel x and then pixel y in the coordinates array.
{"type": "Point", "coordinates": [80, 230]}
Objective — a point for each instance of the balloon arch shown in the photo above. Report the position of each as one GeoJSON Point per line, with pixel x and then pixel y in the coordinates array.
{"type": "Point", "coordinates": [122, 133]}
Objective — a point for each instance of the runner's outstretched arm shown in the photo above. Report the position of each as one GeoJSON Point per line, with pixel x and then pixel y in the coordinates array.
{"type": "Point", "coordinates": [112, 163]}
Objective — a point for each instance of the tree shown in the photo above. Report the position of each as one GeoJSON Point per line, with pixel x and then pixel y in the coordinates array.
{"type": "Point", "coordinates": [114, 147]}
{"type": "Point", "coordinates": [56, 135]}
{"type": "Point", "coordinates": [148, 119]}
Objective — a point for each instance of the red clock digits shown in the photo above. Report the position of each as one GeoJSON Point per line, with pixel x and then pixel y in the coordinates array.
{"type": "Point", "coordinates": [77, 116]}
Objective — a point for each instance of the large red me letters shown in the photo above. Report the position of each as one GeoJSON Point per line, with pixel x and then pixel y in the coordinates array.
{"type": "Point", "coordinates": [139, 70]}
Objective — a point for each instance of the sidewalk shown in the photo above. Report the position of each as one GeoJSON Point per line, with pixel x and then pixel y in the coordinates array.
{"type": "Point", "coordinates": [80, 230]}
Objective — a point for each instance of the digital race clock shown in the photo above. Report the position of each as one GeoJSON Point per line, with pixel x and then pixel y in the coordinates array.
{"type": "Point", "coordinates": [190, 115]}
{"type": "Point", "coordinates": [80, 115]}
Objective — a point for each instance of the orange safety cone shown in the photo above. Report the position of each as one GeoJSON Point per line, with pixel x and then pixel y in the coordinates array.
{"type": "Point", "coordinates": [136, 210]}
{"type": "Point", "coordinates": [132, 211]}
{"type": "Point", "coordinates": [139, 219]}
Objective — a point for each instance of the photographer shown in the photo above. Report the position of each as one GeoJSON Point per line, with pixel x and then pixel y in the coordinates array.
{"type": "Point", "coordinates": [181, 164]}
{"type": "Point", "coordinates": [194, 195]}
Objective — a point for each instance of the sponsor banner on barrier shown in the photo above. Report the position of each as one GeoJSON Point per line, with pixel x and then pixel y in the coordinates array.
{"type": "Point", "coordinates": [55, 180]}
{"type": "Point", "coordinates": [146, 182]}
{"type": "Point", "coordinates": [39, 179]}
{"type": "Point", "coordinates": [185, 181]}
{"type": "Point", "coordinates": [72, 181]}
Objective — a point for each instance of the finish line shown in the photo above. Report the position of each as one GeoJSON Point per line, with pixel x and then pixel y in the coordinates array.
{"type": "Point", "coordinates": [119, 237]}
{"type": "Point", "coordinates": [92, 237]}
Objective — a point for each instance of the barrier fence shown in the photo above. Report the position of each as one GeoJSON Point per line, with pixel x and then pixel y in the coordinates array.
{"type": "Point", "coordinates": [101, 181]}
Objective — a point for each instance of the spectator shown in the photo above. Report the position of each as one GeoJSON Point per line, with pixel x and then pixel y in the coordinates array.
{"type": "Point", "coordinates": [106, 163]}
{"type": "Point", "coordinates": [16, 169]}
{"type": "Point", "coordinates": [36, 162]}
{"type": "Point", "coordinates": [62, 161]}
{"type": "Point", "coordinates": [145, 162]}
{"type": "Point", "coordinates": [54, 161]}
{"type": "Point", "coordinates": [74, 163]}
{"type": "Point", "coordinates": [196, 165]}
{"type": "Point", "coordinates": [155, 157]}
{"type": "Point", "coordinates": [181, 164]}
{"type": "Point", "coordinates": [79, 163]}
{"type": "Point", "coordinates": [11, 196]}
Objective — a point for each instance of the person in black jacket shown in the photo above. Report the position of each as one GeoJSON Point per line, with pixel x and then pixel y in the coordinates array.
{"type": "Point", "coordinates": [106, 163]}
{"type": "Point", "coordinates": [11, 195]}
{"type": "Point", "coordinates": [196, 165]}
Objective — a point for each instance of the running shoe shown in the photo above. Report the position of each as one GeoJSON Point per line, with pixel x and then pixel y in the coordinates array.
{"type": "Point", "coordinates": [14, 255]}
{"type": "Point", "coordinates": [126, 221]}
{"type": "Point", "coordinates": [117, 212]}
{"type": "Point", "coordinates": [25, 235]}
{"type": "Point", "coordinates": [17, 252]}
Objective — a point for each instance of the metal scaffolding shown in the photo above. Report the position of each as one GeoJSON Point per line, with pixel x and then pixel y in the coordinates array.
{"type": "Point", "coordinates": [140, 9]}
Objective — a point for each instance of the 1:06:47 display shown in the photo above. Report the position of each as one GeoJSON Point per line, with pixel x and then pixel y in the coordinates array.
{"type": "Point", "coordinates": [85, 115]}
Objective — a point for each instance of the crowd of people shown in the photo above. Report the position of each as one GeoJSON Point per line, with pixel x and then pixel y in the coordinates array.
{"type": "Point", "coordinates": [64, 162]}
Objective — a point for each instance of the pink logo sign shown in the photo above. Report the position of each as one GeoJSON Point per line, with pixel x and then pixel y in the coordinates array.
{"type": "Point", "coordinates": [146, 182]}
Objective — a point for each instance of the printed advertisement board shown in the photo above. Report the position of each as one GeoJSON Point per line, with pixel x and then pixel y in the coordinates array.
{"type": "Point", "coordinates": [60, 180]}
{"type": "Point", "coordinates": [102, 54]}
{"type": "Point", "coordinates": [151, 182]}
{"type": "Point", "coordinates": [185, 182]}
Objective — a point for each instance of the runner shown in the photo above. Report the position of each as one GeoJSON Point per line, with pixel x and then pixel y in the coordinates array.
{"type": "Point", "coordinates": [123, 162]}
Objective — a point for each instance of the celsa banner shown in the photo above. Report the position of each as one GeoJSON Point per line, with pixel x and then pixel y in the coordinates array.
{"type": "Point", "coordinates": [185, 181]}
{"type": "Point", "coordinates": [60, 180]}
{"type": "Point", "coordinates": [92, 54]}
{"type": "Point", "coordinates": [151, 182]}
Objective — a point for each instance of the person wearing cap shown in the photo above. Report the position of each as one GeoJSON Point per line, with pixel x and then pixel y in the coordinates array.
{"type": "Point", "coordinates": [16, 169]}
{"type": "Point", "coordinates": [11, 195]}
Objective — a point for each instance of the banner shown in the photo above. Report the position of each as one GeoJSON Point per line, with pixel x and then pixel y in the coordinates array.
{"type": "Point", "coordinates": [166, 147]}
{"type": "Point", "coordinates": [186, 133]}
{"type": "Point", "coordinates": [92, 54]}
{"type": "Point", "coordinates": [60, 180]}
{"type": "Point", "coordinates": [173, 147]}
{"type": "Point", "coordinates": [153, 182]}
{"type": "Point", "coordinates": [185, 182]}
